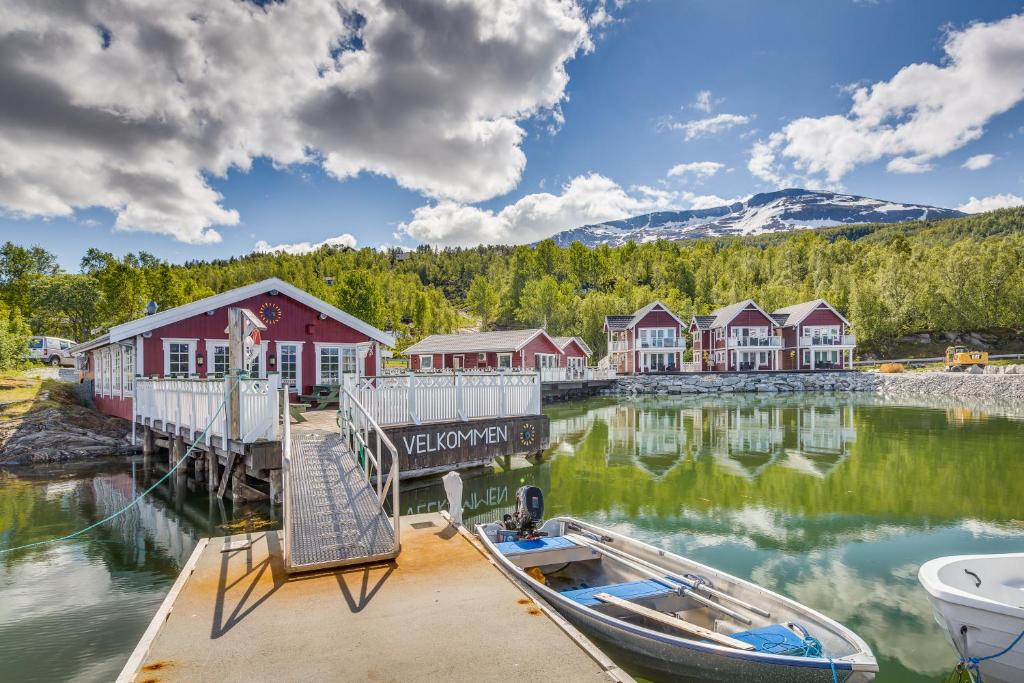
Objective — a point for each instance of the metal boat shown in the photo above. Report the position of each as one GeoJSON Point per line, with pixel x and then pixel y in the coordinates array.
{"type": "Point", "coordinates": [979, 601]}
{"type": "Point", "coordinates": [676, 619]}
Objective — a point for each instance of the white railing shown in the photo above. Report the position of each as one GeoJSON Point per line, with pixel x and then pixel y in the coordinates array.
{"type": "Point", "coordinates": [667, 343]}
{"type": "Point", "coordinates": [575, 374]}
{"type": "Point", "coordinates": [418, 398]}
{"type": "Point", "coordinates": [618, 346]}
{"type": "Point", "coordinates": [371, 444]}
{"type": "Point", "coordinates": [690, 366]}
{"type": "Point", "coordinates": [192, 404]}
{"type": "Point", "coordinates": [828, 340]}
{"type": "Point", "coordinates": [754, 342]}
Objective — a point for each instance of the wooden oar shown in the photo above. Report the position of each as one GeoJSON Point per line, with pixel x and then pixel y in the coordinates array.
{"type": "Point", "coordinates": [674, 622]}
{"type": "Point", "coordinates": [695, 585]}
{"type": "Point", "coordinates": [675, 586]}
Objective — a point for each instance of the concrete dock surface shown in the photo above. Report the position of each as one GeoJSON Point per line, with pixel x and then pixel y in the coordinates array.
{"type": "Point", "coordinates": [440, 612]}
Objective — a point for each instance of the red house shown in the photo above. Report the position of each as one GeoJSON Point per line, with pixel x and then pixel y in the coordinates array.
{"type": "Point", "coordinates": [650, 340]}
{"type": "Point", "coordinates": [574, 352]}
{"type": "Point", "coordinates": [741, 336]}
{"type": "Point", "coordinates": [510, 349]}
{"type": "Point", "coordinates": [815, 337]}
{"type": "Point", "coordinates": [307, 341]}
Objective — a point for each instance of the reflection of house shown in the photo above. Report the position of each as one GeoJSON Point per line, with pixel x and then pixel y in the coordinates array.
{"type": "Point", "coordinates": [650, 340]}
{"type": "Point", "coordinates": [652, 438]}
{"type": "Point", "coordinates": [744, 440]}
{"type": "Point", "coordinates": [823, 435]}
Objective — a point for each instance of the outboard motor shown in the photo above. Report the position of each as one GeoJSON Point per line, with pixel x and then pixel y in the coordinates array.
{"type": "Point", "coordinates": [529, 512]}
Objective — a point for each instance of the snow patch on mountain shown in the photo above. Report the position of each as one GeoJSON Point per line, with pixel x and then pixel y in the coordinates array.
{"type": "Point", "coordinates": [780, 211]}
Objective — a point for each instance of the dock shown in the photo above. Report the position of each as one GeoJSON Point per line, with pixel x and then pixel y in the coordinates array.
{"type": "Point", "coordinates": [440, 611]}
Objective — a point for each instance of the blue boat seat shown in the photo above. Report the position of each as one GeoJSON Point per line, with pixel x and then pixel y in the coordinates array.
{"type": "Point", "coordinates": [775, 639]}
{"type": "Point", "coordinates": [632, 590]}
{"type": "Point", "coordinates": [534, 545]}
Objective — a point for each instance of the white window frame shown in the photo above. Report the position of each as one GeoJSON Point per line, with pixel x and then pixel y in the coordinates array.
{"type": "Point", "coordinates": [807, 358]}
{"type": "Point", "coordinates": [500, 357]}
{"type": "Point", "coordinates": [115, 370]}
{"type": "Point", "coordinates": [292, 388]}
{"type": "Point", "coordinates": [211, 351]}
{"type": "Point", "coordinates": [428, 365]}
{"type": "Point", "coordinates": [262, 356]}
{"type": "Point", "coordinates": [322, 346]}
{"type": "Point", "coordinates": [192, 343]}
{"type": "Point", "coordinates": [462, 361]}
{"type": "Point", "coordinates": [481, 358]}
{"type": "Point", "coordinates": [128, 368]}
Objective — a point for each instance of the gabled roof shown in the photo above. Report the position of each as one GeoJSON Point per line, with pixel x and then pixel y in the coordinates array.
{"type": "Point", "coordinates": [639, 314]}
{"type": "Point", "coordinates": [562, 342]}
{"type": "Point", "coordinates": [780, 319]}
{"type": "Point", "coordinates": [724, 315]}
{"type": "Point", "coordinates": [617, 322]}
{"type": "Point", "coordinates": [172, 315]}
{"type": "Point", "coordinates": [796, 313]}
{"type": "Point", "coordinates": [476, 342]}
{"type": "Point", "coordinates": [703, 322]}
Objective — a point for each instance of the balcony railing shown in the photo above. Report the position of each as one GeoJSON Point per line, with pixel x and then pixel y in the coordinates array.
{"type": "Point", "coordinates": [755, 342]}
{"type": "Point", "coordinates": [618, 346]}
{"type": "Point", "coordinates": [666, 343]}
{"type": "Point", "coordinates": [828, 340]}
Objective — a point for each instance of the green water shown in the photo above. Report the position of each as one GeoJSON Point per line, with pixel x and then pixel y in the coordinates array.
{"type": "Point", "coordinates": [834, 500]}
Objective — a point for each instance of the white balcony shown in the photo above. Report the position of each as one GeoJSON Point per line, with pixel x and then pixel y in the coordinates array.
{"type": "Point", "coordinates": [666, 343]}
{"type": "Point", "coordinates": [618, 347]}
{"type": "Point", "coordinates": [830, 340]}
{"type": "Point", "coordinates": [755, 342]}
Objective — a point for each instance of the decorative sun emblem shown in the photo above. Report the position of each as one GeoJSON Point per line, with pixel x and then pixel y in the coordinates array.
{"type": "Point", "coordinates": [270, 313]}
{"type": "Point", "coordinates": [527, 435]}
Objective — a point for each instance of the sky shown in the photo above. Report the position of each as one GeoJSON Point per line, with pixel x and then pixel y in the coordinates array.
{"type": "Point", "coordinates": [193, 130]}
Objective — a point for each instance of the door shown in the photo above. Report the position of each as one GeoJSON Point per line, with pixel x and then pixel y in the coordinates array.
{"type": "Point", "coordinates": [457, 362]}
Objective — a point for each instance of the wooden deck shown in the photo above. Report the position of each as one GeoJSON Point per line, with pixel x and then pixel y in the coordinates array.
{"type": "Point", "coordinates": [440, 611]}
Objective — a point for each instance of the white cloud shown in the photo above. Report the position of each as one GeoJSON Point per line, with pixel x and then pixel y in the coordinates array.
{"type": "Point", "coordinates": [584, 200]}
{"type": "Point", "coordinates": [134, 106]}
{"type": "Point", "coordinates": [703, 101]}
{"type": "Point", "coordinates": [997, 201]}
{"type": "Point", "coordinates": [700, 169]}
{"type": "Point", "coordinates": [979, 161]}
{"type": "Point", "coordinates": [342, 240]}
{"type": "Point", "coordinates": [709, 201]}
{"type": "Point", "coordinates": [923, 112]}
{"type": "Point", "coordinates": [707, 126]}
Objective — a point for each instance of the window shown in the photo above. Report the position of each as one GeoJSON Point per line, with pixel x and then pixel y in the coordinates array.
{"type": "Point", "coordinates": [115, 370]}
{"type": "Point", "coordinates": [256, 364]}
{"type": "Point", "coordinates": [179, 357]}
{"type": "Point", "coordinates": [426, 362]}
{"type": "Point", "coordinates": [481, 358]}
{"type": "Point", "coordinates": [762, 358]}
{"type": "Point", "coordinates": [217, 359]}
{"type": "Point", "coordinates": [505, 360]}
{"type": "Point", "coordinates": [349, 359]}
{"type": "Point", "coordinates": [333, 362]}
{"type": "Point", "coordinates": [807, 357]}
{"type": "Point", "coordinates": [289, 364]}
{"type": "Point", "coordinates": [129, 369]}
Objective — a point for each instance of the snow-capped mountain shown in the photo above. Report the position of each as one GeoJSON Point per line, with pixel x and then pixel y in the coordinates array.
{"type": "Point", "coordinates": [769, 212]}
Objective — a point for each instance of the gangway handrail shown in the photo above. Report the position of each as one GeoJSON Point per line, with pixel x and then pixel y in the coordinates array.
{"type": "Point", "coordinates": [358, 428]}
{"type": "Point", "coordinates": [286, 463]}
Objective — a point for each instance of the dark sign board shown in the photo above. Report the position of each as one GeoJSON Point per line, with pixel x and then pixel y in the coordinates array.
{"type": "Point", "coordinates": [449, 445]}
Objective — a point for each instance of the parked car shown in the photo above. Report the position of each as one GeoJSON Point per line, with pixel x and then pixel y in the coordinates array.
{"type": "Point", "coordinates": [51, 350]}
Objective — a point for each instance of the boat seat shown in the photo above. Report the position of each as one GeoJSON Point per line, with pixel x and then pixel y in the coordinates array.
{"type": "Point", "coordinates": [631, 590]}
{"type": "Point", "coordinates": [775, 639]}
{"type": "Point", "coordinates": [534, 545]}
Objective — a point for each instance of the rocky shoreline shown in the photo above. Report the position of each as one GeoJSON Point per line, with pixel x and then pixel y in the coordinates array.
{"type": "Point", "coordinates": [1002, 385]}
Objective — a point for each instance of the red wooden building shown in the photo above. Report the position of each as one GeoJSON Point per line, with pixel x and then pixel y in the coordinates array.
{"type": "Point", "coordinates": [574, 352]}
{"type": "Point", "coordinates": [815, 337]}
{"type": "Point", "coordinates": [307, 341]}
{"type": "Point", "coordinates": [649, 340]}
{"type": "Point", "coordinates": [741, 336]}
{"type": "Point", "coordinates": [501, 350]}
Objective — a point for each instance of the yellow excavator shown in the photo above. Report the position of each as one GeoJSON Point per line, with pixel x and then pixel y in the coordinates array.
{"type": "Point", "coordinates": [959, 358]}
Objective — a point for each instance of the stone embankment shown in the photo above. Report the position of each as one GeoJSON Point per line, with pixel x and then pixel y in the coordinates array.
{"type": "Point", "coordinates": [1004, 385]}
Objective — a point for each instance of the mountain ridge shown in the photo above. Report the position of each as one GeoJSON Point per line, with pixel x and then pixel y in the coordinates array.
{"type": "Point", "coordinates": [766, 212]}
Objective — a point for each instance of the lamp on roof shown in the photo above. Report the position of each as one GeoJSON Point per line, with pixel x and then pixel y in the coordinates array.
{"type": "Point", "coordinates": [152, 307]}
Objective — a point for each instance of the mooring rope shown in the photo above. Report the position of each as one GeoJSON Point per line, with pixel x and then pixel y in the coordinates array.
{"type": "Point", "coordinates": [974, 663]}
{"type": "Point", "coordinates": [134, 501]}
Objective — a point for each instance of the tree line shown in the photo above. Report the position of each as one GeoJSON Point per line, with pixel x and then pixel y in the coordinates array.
{"type": "Point", "coordinates": [889, 280]}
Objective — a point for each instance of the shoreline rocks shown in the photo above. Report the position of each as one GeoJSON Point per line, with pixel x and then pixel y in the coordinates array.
{"type": "Point", "coordinates": [1002, 385]}
{"type": "Point", "coordinates": [62, 434]}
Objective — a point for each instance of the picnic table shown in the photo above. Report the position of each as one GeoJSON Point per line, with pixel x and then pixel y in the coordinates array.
{"type": "Point", "coordinates": [322, 395]}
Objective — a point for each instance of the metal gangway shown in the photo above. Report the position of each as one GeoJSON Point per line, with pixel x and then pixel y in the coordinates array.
{"type": "Point", "coordinates": [336, 493]}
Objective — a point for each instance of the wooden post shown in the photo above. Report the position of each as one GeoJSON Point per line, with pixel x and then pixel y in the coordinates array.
{"type": "Point", "coordinates": [147, 441]}
{"type": "Point", "coordinates": [275, 487]}
{"type": "Point", "coordinates": [212, 469]}
{"type": "Point", "coordinates": [177, 453]}
{"type": "Point", "coordinates": [238, 481]}
{"type": "Point", "coordinates": [236, 361]}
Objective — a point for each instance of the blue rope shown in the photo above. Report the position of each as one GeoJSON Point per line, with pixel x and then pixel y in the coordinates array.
{"type": "Point", "coordinates": [68, 537]}
{"type": "Point", "coordinates": [812, 647]}
{"type": "Point", "coordinates": [974, 663]}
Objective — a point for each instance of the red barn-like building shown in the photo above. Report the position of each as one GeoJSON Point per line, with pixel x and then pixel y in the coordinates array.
{"type": "Point", "coordinates": [741, 336]}
{"type": "Point", "coordinates": [307, 341]}
{"type": "Point", "coordinates": [575, 352]}
{"type": "Point", "coordinates": [815, 337]}
{"type": "Point", "coordinates": [502, 350]}
{"type": "Point", "coordinates": [650, 340]}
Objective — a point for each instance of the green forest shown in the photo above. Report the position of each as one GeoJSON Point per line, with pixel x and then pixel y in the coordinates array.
{"type": "Point", "coordinates": [889, 280]}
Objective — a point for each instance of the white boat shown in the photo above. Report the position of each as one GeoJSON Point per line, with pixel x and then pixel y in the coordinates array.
{"type": "Point", "coordinates": [675, 618]}
{"type": "Point", "coordinates": [979, 601]}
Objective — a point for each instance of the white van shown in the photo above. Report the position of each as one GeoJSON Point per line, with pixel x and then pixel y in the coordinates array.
{"type": "Point", "coordinates": [51, 350]}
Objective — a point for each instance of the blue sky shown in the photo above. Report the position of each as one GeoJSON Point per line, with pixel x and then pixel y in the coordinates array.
{"type": "Point", "coordinates": [605, 138]}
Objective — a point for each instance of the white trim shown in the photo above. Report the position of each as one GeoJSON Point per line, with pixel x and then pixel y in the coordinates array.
{"type": "Point", "coordinates": [297, 387]}
{"type": "Point", "coordinates": [746, 304]}
{"type": "Point", "coordinates": [579, 342]}
{"type": "Point", "coordinates": [427, 355]}
{"type": "Point", "coordinates": [208, 362]}
{"type": "Point", "coordinates": [319, 346]}
{"type": "Point", "coordinates": [461, 356]}
{"type": "Point", "coordinates": [192, 343]}
{"type": "Point", "coordinates": [817, 304]}
{"type": "Point", "coordinates": [151, 322]}
{"type": "Point", "coordinates": [140, 345]}
{"type": "Point", "coordinates": [504, 353]}
{"type": "Point", "coordinates": [653, 306]}
{"type": "Point", "coordinates": [534, 336]}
